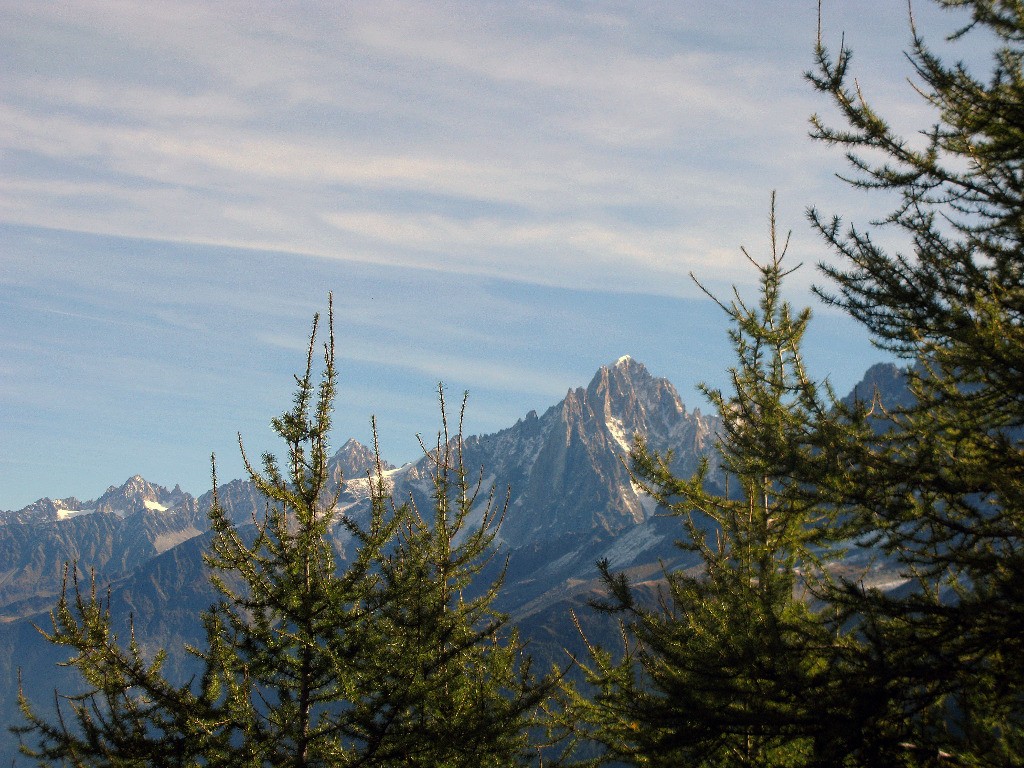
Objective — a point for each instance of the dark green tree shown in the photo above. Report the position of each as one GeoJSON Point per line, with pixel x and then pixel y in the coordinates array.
{"type": "Point", "coordinates": [940, 488]}
{"type": "Point", "coordinates": [389, 655]}
{"type": "Point", "coordinates": [734, 664]}
{"type": "Point", "coordinates": [453, 687]}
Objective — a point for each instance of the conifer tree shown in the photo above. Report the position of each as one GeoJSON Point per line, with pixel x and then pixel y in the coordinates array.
{"type": "Point", "coordinates": [454, 687]}
{"type": "Point", "coordinates": [391, 656]}
{"type": "Point", "coordinates": [939, 487]}
{"type": "Point", "coordinates": [290, 638]}
{"type": "Point", "coordinates": [734, 665]}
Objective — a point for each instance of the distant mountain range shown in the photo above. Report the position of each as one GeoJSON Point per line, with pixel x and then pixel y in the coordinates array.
{"type": "Point", "coordinates": [572, 503]}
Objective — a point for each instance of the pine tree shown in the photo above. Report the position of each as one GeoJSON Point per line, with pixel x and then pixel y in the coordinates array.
{"type": "Point", "coordinates": [454, 687]}
{"type": "Point", "coordinates": [939, 487]}
{"type": "Point", "coordinates": [734, 665]}
{"type": "Point", "coordinates": [289, 642]}
{"type": "Point", "coordinates": [391, 656]}
{"type": "Point", "coordinates": [129, 715]}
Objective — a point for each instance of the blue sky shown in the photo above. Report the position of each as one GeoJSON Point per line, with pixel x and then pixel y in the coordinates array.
{"type": "Point", "coordinates": [501, 195]}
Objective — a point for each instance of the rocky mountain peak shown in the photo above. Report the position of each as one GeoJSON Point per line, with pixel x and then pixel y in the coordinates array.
{"type": "Point", "coordinates": [625, 369]}
{"type": "Point", "coordinates": [628, 399]}
{"type": "Point", "coordinates": [885, 381]}
{"type": "Point", "coordinates": [566, 468]}
{"type": "Point", "coordinates": [353, 460]}
{"type": "Point", "coordinates": [138, 494]}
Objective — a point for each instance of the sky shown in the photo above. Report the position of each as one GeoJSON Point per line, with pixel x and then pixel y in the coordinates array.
{"type": "Point", "coordinates": [501, 196]}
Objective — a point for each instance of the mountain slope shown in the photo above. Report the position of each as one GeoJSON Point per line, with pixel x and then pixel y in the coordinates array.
{"type": "Point", "coordinates": [121, 530]}
{"type": "Point", "coordinates": [571, 503]}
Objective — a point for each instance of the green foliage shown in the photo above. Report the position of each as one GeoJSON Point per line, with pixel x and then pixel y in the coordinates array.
{"type": "Point", "coordinates": [733, 665]}
{"type": "Point", "coordinates": [449, 687]}
{"type": "Point", "coordinates": [392, 656]}
{"type": "Point", "coordinates": [130, 716]}
{"type": "Point", "coordinates": [940, 487]}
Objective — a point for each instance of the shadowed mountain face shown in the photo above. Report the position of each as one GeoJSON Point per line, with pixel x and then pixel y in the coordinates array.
{"type": "Point", "coordinates": [136, 495]}
{"type": "Point", "coordinates": [571, 503]}
{"type": "Point", "coordinates": [567, 468]}
{"type": "Point", "coordinates": [885, 382]}
{"type": "Point", "coordinates": [123, 529]}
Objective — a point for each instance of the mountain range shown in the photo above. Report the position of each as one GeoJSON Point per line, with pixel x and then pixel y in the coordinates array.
{"type": "Point", "coordinates": [572, 502]}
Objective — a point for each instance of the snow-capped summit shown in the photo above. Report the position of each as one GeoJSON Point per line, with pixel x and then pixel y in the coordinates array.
{"type": "Point", "coordinates": [567, 467]}
{"type": "Point", "coordinates": [47, 510]}
{"type": "Point", "coordinates": [352, 461]}
{"type": "Point", "coordinates": [137, 495]}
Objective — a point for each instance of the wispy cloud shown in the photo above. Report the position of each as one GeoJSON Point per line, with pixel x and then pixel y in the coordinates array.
{"type": "Point", "coordinates": [281, 121]}
{"type": "Point", "coordinates": [501, 194]}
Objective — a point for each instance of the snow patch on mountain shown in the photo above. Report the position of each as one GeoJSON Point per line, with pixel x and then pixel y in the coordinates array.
{"type": "Point", "coordinates": [618, 433]}
{"type": "Point", "coordinates": [164, 541]}
{"type": "Point", "coordinates": [647, 502]}
{"type": "Point", "coordinates": [631, 544]}
{"type": "Point", "coordinates": [67, 514]}
{"type": "Point", "coordinates": [562, 562]}
{"type": "Point", "coordinates": [475, 518]}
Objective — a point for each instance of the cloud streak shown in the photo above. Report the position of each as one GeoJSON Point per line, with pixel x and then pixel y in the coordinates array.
{"type": "Point", "coordinates": [280, 122]}
{"type": "Point", "coordinates": [504, 195]}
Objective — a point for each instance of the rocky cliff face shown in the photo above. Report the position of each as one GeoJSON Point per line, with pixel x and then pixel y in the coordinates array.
{"type": "Point", "coordinates": [572, 503]}
{"type": "Point", "coordinates": [883, 381]}
{"type": "Point", "coordinates": [138, 495]}
{"type": "Point", "coordinates": [112, 535]}
{"type": "Point", "coordinates": [568, 468]}
{"type": "Point", "coordinates": [353, 460]}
